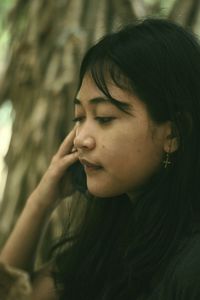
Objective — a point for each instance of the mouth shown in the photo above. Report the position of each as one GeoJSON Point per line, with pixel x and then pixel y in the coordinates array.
{"type": "Point", "coordinates": [89, 166]}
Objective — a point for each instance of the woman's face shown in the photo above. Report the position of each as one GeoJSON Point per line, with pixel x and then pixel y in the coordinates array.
{"type": "Point", "coordinates": [120, 151]}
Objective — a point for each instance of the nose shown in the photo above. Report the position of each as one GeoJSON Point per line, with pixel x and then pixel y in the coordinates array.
{"type": "Point", "coordinates": [84, 140]}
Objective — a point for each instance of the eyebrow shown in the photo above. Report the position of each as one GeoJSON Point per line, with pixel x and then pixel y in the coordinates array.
{"type": "Point", "coordinates": [124, 106]}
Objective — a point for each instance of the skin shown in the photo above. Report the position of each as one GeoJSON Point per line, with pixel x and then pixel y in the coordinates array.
{"type": "Point", "coordinates": [128, 147]}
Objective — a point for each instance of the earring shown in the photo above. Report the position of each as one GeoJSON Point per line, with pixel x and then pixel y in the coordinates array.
{"type": "Point", "coordinates": [166, 161]}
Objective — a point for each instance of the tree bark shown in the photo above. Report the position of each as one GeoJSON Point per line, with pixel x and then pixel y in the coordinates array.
{"type": "Point", "coordinates": [185, 12]}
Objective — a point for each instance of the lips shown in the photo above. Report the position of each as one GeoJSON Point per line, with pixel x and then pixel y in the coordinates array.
{"type": "Point", "coordinates": [89, 164]}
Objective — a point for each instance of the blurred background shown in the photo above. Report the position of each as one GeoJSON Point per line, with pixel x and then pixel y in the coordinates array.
{"type": "Point", "coordinates": [41, 46]}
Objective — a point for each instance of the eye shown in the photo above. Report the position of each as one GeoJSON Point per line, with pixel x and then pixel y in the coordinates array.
{"type": "Point", "coordinates": [77, 119]}
{"type": "Point", "coordinates": [105, 120]}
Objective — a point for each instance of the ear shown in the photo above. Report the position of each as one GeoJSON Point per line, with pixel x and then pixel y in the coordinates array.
{"type": "Point", "coordinates": [171, 143]}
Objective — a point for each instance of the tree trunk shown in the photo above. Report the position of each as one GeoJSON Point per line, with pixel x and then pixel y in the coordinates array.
{"type": "Point", "coordinates": [186, 12]}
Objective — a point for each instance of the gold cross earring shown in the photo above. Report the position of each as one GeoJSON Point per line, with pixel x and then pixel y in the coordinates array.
{"type": "Point", "coordinates": [167, 161]}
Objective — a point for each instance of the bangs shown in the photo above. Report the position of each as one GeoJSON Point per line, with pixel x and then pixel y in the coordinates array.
{"type": "Point", "coordinates": [105, 72]}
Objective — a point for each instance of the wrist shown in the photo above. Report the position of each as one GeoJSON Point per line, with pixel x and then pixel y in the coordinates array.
{"type": "Point", "coordinates": [38, 207]}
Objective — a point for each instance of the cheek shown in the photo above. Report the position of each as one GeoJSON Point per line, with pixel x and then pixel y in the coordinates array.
{"type": "Point", "coordinates": [116, 152]}
{"type": "Point", "coordinates": [124, 145]}
{"type": "Point", "coordinates": [130, 153]}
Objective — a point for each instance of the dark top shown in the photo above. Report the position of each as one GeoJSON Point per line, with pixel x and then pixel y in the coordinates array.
{"type": "Point", "coordinates": [181, 280]}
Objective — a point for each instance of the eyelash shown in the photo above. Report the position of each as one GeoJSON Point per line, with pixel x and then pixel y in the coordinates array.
{"type": "Point", "coordinates": [101, 120]}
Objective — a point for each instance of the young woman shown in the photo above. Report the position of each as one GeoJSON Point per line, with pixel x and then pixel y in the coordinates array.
{"type": "Point", "coordinates": [133, 158]}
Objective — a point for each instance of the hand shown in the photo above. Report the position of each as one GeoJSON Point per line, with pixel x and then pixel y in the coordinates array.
{"type": "Point", "coordinates": [51, 189]}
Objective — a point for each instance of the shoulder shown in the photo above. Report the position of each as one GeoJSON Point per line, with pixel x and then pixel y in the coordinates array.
{"type": "Point", "coordinates": [43, 284]}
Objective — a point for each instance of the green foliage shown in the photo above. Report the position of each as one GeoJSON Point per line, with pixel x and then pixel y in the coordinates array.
{"type": "Point", "coordinates": [4, 8]}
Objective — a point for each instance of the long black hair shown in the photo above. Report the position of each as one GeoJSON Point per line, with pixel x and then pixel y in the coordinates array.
{"type": "Point", "coordinates": [119, 246]}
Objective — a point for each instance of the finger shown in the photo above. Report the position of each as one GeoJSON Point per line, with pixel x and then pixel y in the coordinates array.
{"type": "Point", "coordinates": [70, 159]}
{"type": "Point", "coordinates": [67, 144]}
{"type": "Point", "coordinates": [67, 161]}
{"type": "Point", "coordinates": [59, 167]}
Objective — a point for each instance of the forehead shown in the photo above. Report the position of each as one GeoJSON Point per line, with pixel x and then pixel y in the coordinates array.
{"type": "Point", "coordinates": [90, 95]}
{"type": "Point", "coordinates": [88, 89]}
{"type": "Point", "coordinates": [90, 92]}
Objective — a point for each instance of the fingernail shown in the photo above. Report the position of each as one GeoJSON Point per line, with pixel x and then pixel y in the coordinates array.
{"type": "Point", "coordinates": [73, 150]}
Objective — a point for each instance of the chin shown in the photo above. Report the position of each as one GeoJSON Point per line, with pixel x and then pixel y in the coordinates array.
{"type": "Point", "coordinates": [103, 193]}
